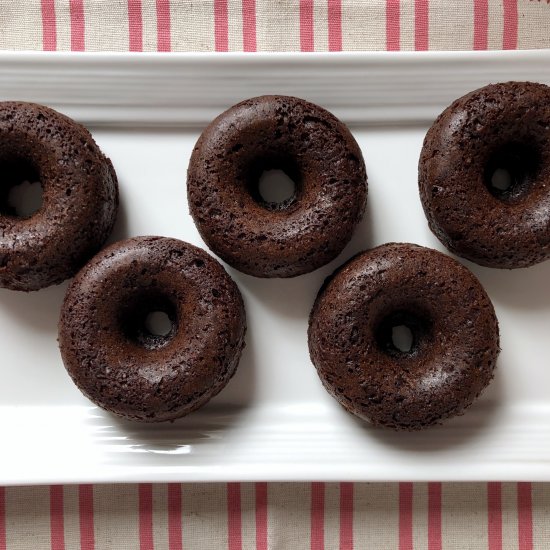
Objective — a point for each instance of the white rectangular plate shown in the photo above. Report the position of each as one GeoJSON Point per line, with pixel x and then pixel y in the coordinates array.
{"type": "Point", "coordinates": [274, 421]}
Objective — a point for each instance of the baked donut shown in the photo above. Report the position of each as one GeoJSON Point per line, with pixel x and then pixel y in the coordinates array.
{"type": "Point", "coordinates": [484, 175]}
{"type": "Point", "coordinates": [79, 196]}
{"type": "Point", "coordinates": [117, 362]}
{"type": "Point", "coordinates": [454, 336]}
{"type": "Point", "coordinates": [314, 149]}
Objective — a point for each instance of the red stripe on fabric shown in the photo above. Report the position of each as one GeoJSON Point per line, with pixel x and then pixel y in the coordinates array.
{"type": "Point", "coordinates": [175, 541]}
{"type": "Point", "coordinates": [221, 40]}
{"type": "Point", "coordinates": [335, 25]}
{"type": "Point", "coordinates": [146, 516]}
{"type": "Point", "coordinates": [49, 26]}
{"type": "Point", "coordinates": [306, 25]}
{"type": "Point", "coordinates": [405, 516]}
{"type": "Point", "coordinates": [317, 516]}
{"type": "Point", "coordinates": [86, 516]}
{"type": "Point", "coordinates": [421, 24]}
{"type": "Point", "coordinates": [392, 25]}
{"type": "Point", "coordinates": [494, 515]}
{"type": "Point", "coordinates": [234, 520]}
{"type": "Point", "coordinates": [346, 516]}
{"type": "Point", "coordinates": [261, 516]}
{"type": "Point", "coordinates": [164, 31]}
{"type": "Point", "coordinates": [249, 25]}
{"type": "Point", "coordinates": [76, 8]}
{"type": "Point", "coordinates": [481, 24]}
{"type": "Point", "coordinates": [57, 528]}
{"type": "Point", "coordinates": [135, 26]}
{"type": "Point", "coordinates": [510, 31]}
{"type": "Point", "coordinates": [2, 518]}
{"type": "Point", "coordinates": [525, 517]}
{"type": "Point", "coordinates": [434, 516]}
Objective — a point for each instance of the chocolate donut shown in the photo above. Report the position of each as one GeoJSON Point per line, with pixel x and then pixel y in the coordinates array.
{"type": "Point", "coordinates": [79, 196]}
{"type": "Point", "coordinates": [314, 149]}
{"type": "Point", "coordinates": [454, 347]}
{"type": "Point", "coordinates": [484, 175]}
{"type": "Point", "coordinates": [117, 362]}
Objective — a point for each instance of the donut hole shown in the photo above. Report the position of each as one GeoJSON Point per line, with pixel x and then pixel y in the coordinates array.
{"type": "Point", "coordinates": [275, 187]}
{"type": "Point", "coordinates": [274, 183]}
{"type": "Point", "coordinates": [510, 171]}
{"type": "Point", "coordinates": [402, 338]}
{"type": "Point", "coordinates": [402, 333]}
{"type": "Point", "coordinates": [20, 188]}
{"type": "Point", "coordinates": [158, 323]}
{"type": "Point", "coordinates": [149, 320]}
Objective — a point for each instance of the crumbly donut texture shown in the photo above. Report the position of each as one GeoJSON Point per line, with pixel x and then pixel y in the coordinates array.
{"type": "Point", "coordinates": [79, 196]}
{"type": "Point", "coordinates": [501, 126]}
{"type": "Point", "coordinates": [121, 366]}
{"type": "Point", "coordinates": [455, 336]}
{"type": "Point", "coordinates": [308, 143]}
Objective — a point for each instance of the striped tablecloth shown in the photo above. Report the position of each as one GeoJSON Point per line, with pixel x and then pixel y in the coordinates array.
{"type": "Point", "coordinates": [296, 516]}
{"type": "Point", "coordinates": [276, 25]}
